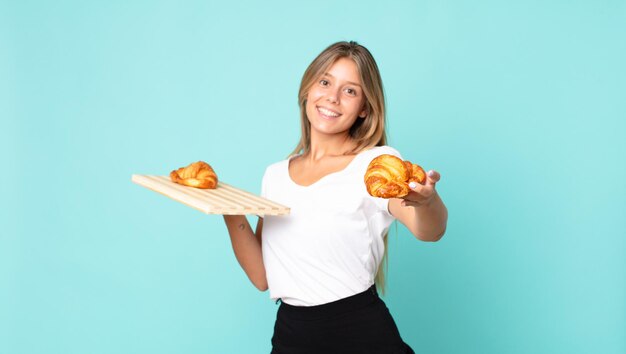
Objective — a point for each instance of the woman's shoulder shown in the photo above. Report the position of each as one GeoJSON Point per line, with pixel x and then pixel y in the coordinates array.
{"type": "Point", "coordinates": [381, 150]}
{"type": "Point", "coordinates": [366, 156]}
{"type": "Point", "coordinates": [278, 168]}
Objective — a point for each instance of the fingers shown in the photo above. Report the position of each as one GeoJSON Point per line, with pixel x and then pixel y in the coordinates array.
{"type": "Point", "coordinates": [421, 194]}
{"type": "Point", "coordinates": [432, 177]}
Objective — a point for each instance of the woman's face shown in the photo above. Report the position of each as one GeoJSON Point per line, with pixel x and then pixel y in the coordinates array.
{"type": "Point", "coordinates": [335, 100]}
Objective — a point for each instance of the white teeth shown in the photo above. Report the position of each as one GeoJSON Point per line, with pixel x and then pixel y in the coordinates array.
{"type": "Point", "coordinates": [327, 112]}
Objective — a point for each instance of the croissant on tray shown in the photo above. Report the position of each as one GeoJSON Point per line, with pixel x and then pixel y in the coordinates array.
{"type": "Point", "coordinates": [198, 174]}
{"type": "Point", "coordinates": [387, 176]}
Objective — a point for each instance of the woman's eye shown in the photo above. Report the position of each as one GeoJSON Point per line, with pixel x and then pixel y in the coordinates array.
{"type": "Point", "coordinates": [351, 91]}
{"type": "Point", "coordinates": [324, 82]}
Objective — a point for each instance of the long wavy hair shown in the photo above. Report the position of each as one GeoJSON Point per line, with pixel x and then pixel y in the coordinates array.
{"type": "Point", "coordinates": [367, 132]}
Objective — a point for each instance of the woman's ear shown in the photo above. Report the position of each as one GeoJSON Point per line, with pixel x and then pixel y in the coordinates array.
{"type": "Point", "coordinates": [364, 112]}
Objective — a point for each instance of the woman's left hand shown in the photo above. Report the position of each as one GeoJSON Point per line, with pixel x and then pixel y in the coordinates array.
{"type": "Point", "coordinates": [422, 194]}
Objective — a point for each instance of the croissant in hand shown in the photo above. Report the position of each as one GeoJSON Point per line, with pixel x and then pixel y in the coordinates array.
{"type": "Point", "coordinates": [198, 174]}
{"type": "Point", "coordinates": [387, 176]}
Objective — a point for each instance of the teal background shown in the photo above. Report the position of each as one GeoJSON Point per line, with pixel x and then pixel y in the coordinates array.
{"type": "Point", "coordinates": [520, 105]}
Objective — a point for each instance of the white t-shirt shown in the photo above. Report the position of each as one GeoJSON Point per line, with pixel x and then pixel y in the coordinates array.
{"type": "Point", "coordinates": [330, 246]}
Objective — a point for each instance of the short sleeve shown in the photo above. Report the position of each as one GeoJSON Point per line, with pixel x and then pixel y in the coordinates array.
{"type": "Point", "coordinates": [269, 182]}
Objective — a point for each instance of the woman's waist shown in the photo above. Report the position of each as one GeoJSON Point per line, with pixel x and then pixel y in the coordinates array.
{"type": "Point", "coordinates": [333, 308]}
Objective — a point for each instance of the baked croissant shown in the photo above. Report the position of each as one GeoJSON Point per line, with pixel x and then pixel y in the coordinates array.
{"type": "Point", "coordinates": [387, 176]}
{"type": "Point", "coordinates": [198, 174]}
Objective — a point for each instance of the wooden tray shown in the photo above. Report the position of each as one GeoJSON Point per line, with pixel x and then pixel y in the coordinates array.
{"type": "Point", "coordinates": [225, 199]}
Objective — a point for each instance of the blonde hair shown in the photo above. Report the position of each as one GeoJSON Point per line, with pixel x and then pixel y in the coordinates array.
{"type": "Point", "coordinates": [367, 132]}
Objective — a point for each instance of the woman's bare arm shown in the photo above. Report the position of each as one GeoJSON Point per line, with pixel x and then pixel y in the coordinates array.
{"type": "Point", "coordinates": [247, 247]}
{"type": "Point", "coordinates": [422, 211]}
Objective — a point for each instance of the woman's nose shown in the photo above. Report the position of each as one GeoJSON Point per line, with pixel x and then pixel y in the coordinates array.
{"type": "Point", "coordinates": [332, 97]}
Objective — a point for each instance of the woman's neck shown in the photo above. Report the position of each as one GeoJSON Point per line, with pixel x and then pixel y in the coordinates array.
{"type": "Point", "coordinates": [327, 146]}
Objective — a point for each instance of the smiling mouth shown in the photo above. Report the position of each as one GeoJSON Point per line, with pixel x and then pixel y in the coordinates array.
{"type": "Point", "coordinates": [327, 112]}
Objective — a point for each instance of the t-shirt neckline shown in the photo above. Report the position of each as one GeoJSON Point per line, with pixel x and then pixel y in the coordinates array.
{"type": "Point", "coordinates": [330, 175]}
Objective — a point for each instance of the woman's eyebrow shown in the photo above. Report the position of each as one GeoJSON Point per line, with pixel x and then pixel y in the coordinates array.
{"type": "Point", "coordinates": [350, 82]}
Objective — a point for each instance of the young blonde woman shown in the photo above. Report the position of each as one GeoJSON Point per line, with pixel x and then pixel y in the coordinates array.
{"type": "Point", "coordinates": [321, 261]}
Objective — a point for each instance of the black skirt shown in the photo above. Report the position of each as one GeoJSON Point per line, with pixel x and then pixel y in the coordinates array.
{"type": "Point", "coordinates": [357, 324]}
